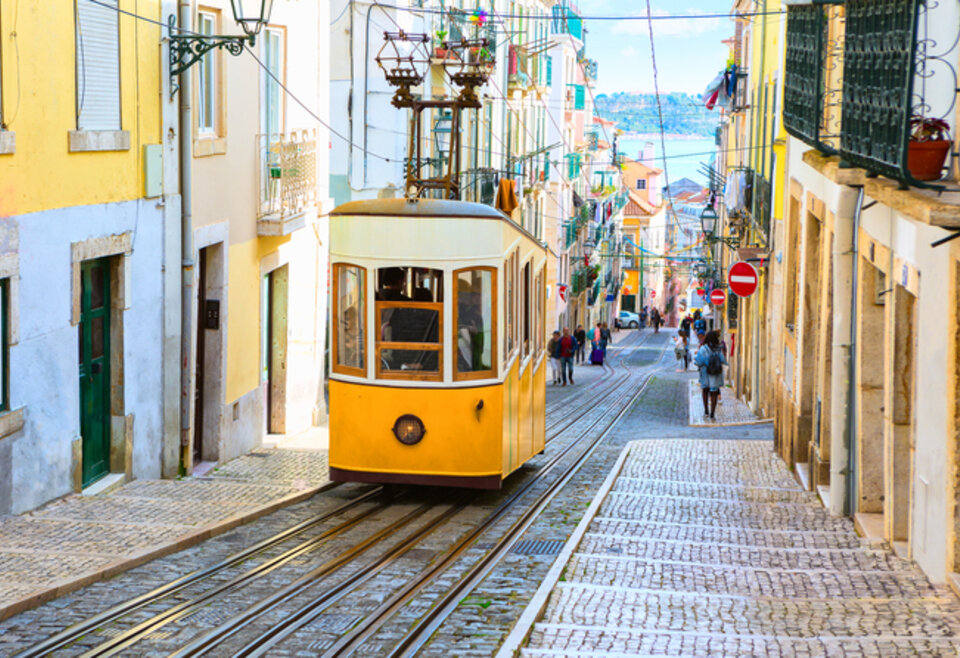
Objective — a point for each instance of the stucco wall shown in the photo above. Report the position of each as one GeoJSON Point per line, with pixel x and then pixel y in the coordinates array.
{"type": "Point", "coordinates": [44, 377]}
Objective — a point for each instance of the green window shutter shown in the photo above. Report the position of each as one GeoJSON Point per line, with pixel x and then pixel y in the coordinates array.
{"type": "Point", "coordinates": [579, 97]}
{"type": "Point", "coordinates": [550, 71]}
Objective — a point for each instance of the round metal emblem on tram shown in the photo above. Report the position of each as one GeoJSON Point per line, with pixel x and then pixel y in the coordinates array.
{"type": "Point", "coordinates": [409, 429]}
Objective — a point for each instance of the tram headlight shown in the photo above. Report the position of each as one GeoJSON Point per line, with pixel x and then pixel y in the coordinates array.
{"type": "Point", "coordinates": [409, 429]}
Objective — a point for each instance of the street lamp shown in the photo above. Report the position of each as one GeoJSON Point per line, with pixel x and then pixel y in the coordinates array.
{"type": "Point", "coordinates": [188, 48]}
{"type": "Point", "coordinates": [588, 247]}
{"type": "Point", "coordinates": [709, 224]}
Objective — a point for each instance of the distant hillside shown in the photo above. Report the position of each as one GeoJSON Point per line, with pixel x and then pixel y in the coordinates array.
{"type": "Point", "coordinates": [683, 114]}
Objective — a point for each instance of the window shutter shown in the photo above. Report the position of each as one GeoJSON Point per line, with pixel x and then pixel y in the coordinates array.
{"type": "Point", "coordinates": [98, 66]}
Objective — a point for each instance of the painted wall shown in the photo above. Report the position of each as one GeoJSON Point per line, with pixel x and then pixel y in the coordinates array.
{"type": "Point", "coordinates": [44, 378]}
{"type": "Point", "coordinates": [39, 105]}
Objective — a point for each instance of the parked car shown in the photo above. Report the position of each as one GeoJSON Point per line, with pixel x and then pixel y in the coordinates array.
{"type": "Point", "coordinates": [628, 319]}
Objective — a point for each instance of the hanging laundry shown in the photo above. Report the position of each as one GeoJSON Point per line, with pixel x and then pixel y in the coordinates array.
{"type": "Point", "coordinates": [507, 196]}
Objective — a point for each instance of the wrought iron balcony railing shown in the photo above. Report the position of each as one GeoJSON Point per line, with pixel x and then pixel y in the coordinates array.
{"type": "Point", "coordinates": [288, 181]}
{"type": "Point", "coordinates": [805, 94]}
{"type": "Point", "coordinates": [861, 76]}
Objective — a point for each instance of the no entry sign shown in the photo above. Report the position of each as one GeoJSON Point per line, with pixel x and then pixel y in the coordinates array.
{"type": "Point", "coordinates": [743, 279]}
{"type": "Point", "coordinates": [718, 297]}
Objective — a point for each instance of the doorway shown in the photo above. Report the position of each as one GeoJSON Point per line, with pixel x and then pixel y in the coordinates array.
{"type": "Point", "coordinates": [94, 370]}
{"type": "Point", "coordinates": [274, 348]}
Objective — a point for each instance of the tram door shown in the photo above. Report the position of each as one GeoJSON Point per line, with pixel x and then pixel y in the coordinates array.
{"type": "Point", "coordinates": [274, 348]}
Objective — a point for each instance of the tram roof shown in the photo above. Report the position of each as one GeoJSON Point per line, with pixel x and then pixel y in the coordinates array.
{"type": "Point", "coordinates": [419, 208]}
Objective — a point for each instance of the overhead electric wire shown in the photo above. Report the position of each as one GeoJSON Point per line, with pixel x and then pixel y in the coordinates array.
{"type": "Point", "coordinates": [260, 63]}
{"type": "Point", "coordinates": [658, 17]}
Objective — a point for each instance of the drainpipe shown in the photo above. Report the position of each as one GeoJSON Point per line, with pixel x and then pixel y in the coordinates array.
{"type": "Point", "coordinates": [843, 420]}
{"type": "Point", "coordinates": [186, 235]}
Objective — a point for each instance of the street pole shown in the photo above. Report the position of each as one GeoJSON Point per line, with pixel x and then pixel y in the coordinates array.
{"type": "Point", "coordinates": [643, 291]}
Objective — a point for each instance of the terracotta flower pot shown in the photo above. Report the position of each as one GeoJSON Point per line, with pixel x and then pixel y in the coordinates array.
{"type": "Point", "coordinates": [925, 159]}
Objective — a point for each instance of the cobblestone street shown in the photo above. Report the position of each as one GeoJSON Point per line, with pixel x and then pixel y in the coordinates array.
{"type": "Point", "coordinates": [672, 539]}
{"type": "Point", "coordinates": [701, 547]}
{"type": "Point", "coordinates": [82, 539]}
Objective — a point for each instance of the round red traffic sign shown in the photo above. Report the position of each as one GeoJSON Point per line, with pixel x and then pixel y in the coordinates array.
{"type": "Point", "coordinates": [653, 293]}
{"type": "Point", "coordinates": [718, 297]}
{"type": "Point", "coordinates": [743, 279]}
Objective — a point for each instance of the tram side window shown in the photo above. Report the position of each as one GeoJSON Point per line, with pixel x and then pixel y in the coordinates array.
{"type": "Point", "coordinates": [538, 312]}
{"type": "Point", "coordinates": [409, 312]}
{"type": "Point", "coordinates": [350, 312]}
{"type": "Point", "coordinates": [527, 309]}
{"type": "Point", "coordinates": [476, 323]}
{"type": "Point", "coordinates": [508, 305]}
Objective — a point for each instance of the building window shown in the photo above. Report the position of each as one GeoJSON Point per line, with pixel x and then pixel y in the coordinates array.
{"type": "Point", "coordinates": [97, 65]}
{"type": "Point", "coordinates": [273, 75]}
{"type": "Point", "coordinates": [476, 322]}
{"type": "Point", "coordinates": [641, 183]}
{"type": "Point", "coordinates": [350, 313]}
{"type": "Point", "coordinates": [409, 317]}
{"type": "Point", "coordinates": [207, 96]}
{"type": "Point", "coordinates": [509, 266]}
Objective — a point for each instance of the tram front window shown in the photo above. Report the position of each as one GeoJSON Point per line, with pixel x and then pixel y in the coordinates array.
{"type": "Point", "coordinates": [475, 323]}
{"type": "Point", "coordinates": [349, 296]}
{"type": "Point", "coordinates": [409, 313]}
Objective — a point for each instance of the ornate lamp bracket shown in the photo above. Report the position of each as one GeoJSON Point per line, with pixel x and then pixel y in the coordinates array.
{"type": "Point", "coordinates": [188, 49]}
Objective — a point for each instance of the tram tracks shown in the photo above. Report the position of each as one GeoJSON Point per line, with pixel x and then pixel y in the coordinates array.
{"type": "Point", "coordinates": [320, 574]}
{"type": "Point", "coordinates": [352, 640]}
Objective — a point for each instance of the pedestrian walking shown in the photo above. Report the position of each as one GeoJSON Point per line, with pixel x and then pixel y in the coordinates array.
{"type": "Point", "coordinates": [710, 360]}
{"type": "Point", "coordinates": [596, 351]}
{"type": "Point", "coordinates": [643, 318]}
{"type": "Point", "coordinates": [581, 337]}
{"type": "Point", "coordinates": [699, 323]}
{"type": "Point", "coordinates": [606, 338]}
{"type": "Point", "coordinates": [681, 350]}
{"type": "Point", "coordinates": [567, 349]}
{"type": "Point", "coordinates": [655, 320]}
{"type": "Point", "coordinates": [552, 353]}
{"type": "Point", "coordinates": [685, 327]}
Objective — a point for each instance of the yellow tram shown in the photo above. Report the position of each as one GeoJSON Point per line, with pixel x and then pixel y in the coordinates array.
{"type": "Point", "coordinates": [438, 372]}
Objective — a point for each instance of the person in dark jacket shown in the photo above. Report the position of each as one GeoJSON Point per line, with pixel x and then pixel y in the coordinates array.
{"type": "Point", "coordinates": [566, 350]}
{"type": "Point", "coordinates": [581, 337]}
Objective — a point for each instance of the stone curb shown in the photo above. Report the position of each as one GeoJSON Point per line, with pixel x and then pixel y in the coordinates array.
{"type": "Point", "coordinates": [512, 644]}
{"type": "Point", "coordinates": [147, 555]}
{"type": "Point", "coordinates": [740, 423]}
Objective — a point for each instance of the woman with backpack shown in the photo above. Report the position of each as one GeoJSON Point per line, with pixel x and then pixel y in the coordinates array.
{"type": "Point", "coordinates": [710, 360]}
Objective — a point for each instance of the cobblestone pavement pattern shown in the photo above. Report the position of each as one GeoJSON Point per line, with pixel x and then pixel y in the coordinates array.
{"type": "Point", "coordinates": [730, 410]}
{"type": "Point", "coordinates": [707, 547]}
{"type": "Point", "coordinates": [80, 539]}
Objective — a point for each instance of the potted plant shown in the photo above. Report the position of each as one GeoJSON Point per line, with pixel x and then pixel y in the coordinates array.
{"type": "Point", "coordinates": [929, 145]}
{"type": "Point", "coordinates": [440, 47]}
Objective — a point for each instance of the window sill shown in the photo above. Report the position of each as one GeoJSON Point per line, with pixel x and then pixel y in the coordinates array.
{"type": "Point", "coordinates": [82, 141]}
{"type": "Point", "coordinates": [207, 145]}
{"type": "Point", "coordinates": [8, 142]}
{"type": "Point", "coordinates": [11, 422]}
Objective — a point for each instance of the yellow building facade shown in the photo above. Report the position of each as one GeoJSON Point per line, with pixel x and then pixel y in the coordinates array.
{"type": "Point", "coordinates": [88, 355]}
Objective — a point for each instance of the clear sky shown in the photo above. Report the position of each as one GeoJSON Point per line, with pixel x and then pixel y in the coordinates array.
{"type": "Point", "coordinates": [689, 51]}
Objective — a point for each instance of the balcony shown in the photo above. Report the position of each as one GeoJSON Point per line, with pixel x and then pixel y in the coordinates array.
{"type": "Point", "coordinates": [575, 98]}
{"type": "Point", "coordinates": [288, 182]}
{"type": "Point", "coordinates": [518, 68]}
{"type": "Point", "coordinates": [898, 62]}
{"type": "Point", "coordinates": [566, 20]}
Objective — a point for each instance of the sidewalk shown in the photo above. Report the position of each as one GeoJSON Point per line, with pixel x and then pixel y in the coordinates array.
{"type": "Point", "coordinates": [709, 547]}
{"type": "Point", "coordinates": [79, 539]}
{"type": "Point", "coordinates": [730, 410]}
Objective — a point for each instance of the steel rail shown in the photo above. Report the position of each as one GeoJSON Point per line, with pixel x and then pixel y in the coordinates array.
{"type": "Point", "coordinates": [606, 365]}
{"type": "Point", "coordinates": [186, 608]}
{"type": "Point", "coordinates": [215, 636]}
{"type": "Point", "coordinates": [307, 613]}
{"type": "Point", "coordinates": [610, 386]}
{"type": "Point", "coordinates": [421, 634]}
{"type": "Point", "coordinates": [72, 633]}
{"type": "Point", "coordinates": [347, 644]}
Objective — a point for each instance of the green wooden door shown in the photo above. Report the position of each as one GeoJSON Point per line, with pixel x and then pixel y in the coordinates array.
{"type": "Point", "coordinates": [94, 351]}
